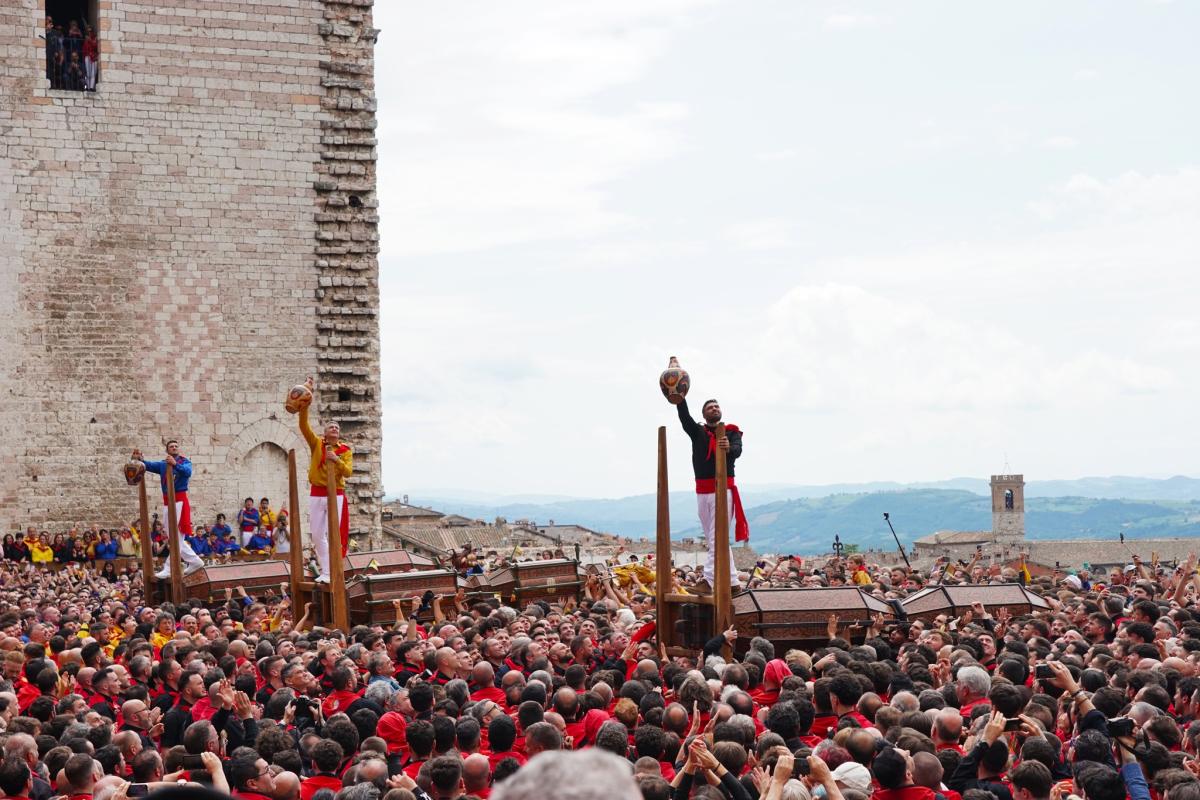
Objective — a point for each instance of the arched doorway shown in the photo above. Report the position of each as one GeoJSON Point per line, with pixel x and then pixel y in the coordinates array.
{"type": "Point", "coordinates": [265, 474]}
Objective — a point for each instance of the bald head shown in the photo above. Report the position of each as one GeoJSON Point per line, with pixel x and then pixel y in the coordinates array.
{"type": "Point", "coordinates": [947, 726]}
{"type": "Point", "coordinates": [483, 674]}
{"type": "Point", "coordinates": [287, 786]}
{"type": "Point", "coordinates": [512, 678]}
{"type": "Point", "coordinates": [566, 702]}
{"type": "Point", "coordinates": [927, 770]}
{"type": "Point", "coordinates": [446, 659]}
{"type": "Point", "coordinates": [675, 719]}
{"type": "Point", "coordinates": [475, 773]}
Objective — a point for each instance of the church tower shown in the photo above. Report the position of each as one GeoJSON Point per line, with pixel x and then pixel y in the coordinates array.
{"type": "Point", "coordinates": [1008, 507]}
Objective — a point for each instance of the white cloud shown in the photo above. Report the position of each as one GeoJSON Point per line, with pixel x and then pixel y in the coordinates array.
{"type": "Point", "coordinates": [498, 135]}
{"type": "Point", "coordinates": [786, 154]}
{"type": "Point", "coordinates": [1086, 74]}
{"type": "Point", "coordinates": [772, 233]}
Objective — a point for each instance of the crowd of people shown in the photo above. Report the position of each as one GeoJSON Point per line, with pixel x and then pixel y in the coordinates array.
{"type": "Point", "coordinates": [72, 55]}
{"type": "Point", "coordinates": [105, 697]}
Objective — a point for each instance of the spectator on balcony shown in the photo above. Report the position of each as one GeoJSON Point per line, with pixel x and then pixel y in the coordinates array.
{"type": "Point", "coordinates": [220, 528]}
{"type": "Point", "coordinates": [91, 59]}
{"type": "Point", "coordinates": [260, 542]}
{"type": "Point", "coordinates": [128, 545]}
{"type": "Point", "coordinates": [106, 547]}
{"type": "Point", "coordinates": [54, 47]}
{"type": "Point", "coordinates": [61, 548]}
{"type": "Point", "coordinates": [281, 535]}
{"type": "Point", "coordinates": [40, 553]}
{"type": "Point", "coordinates": [249, 520]}
{"type": "Point", "coordinates": [266, 517]}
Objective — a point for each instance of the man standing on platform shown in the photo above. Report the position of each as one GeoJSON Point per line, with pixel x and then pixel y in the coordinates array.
{"type": "Point", "coordinates": [182, 470]}
{"type": "Point", "coordinates": [328, 446]}
{"type": "Point", "coordinates": [704, 464]}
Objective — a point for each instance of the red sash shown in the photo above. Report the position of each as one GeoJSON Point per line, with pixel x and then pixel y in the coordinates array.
{"type": "Point", "coordinates": [709, 486]}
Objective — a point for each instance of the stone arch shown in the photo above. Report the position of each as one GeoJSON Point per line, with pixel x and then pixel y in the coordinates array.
{"type": "Point", "coordinates": [257, 461]}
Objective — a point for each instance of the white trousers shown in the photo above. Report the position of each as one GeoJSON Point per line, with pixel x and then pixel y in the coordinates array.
{"type": "Point", "coordinates": [186, 554]}
{"type": "Point", "coordinates": [706, 507]}
{"type": "Point", "coordinates": [318, 528]}
{"type": "Point", "coordinates": [246, 536]}
{"type": "Point", "coordinates": [89, 80]}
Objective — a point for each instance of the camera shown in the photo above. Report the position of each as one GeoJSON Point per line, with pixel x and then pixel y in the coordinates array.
{"type": "Point", "coordinates": [304, 707]}
{"type": "Point", "coordinates": [1011, 725]}
{"type": "Point", "coordinates": [1043, 672]}
{"type": "Point", "coordinates": [192, 762]}
{"type": "Point", "coordinates": [800, 766]}
{"type": "Point", "coordinates": [1120, 727]}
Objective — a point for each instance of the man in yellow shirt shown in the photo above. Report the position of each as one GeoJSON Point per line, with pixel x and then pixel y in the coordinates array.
{"type": "Point", "coordinates": [328, 446]}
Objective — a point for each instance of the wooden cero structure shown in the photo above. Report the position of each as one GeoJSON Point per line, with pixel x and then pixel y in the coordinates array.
{"type": "Point", "coordinates": [668, 602]}
{"type": "Point", "coordinates": [330, 598]}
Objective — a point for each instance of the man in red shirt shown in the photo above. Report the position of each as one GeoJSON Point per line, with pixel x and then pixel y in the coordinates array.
{"type": "Point", "coordinates": [844, 693]}
{"type": "Point", "coordinates": [483, 683]}
{"type": "Point", "coordinates": [252, 778]}
{"type": "Point", "coordinates": [327, 756]}
{"type": "Point", "coordinates": [972, 686]}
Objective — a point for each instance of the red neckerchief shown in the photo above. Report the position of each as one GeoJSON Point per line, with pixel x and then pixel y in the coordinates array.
{"type": "Point", "coordinates": [339, 450]}
{"type": "Point", "coordinates": [712, 437]}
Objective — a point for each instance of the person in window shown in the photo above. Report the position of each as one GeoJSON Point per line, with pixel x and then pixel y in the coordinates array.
{"type": "Point", "coordinates": [109, 572]}
{"type": "Point", "coordinates": [73, 73]}
{"type": "Point", "coordinates": [79, 552]}
{"type": "Point", "coordinates": [91, 59]}
{"type": "Point", "coordinates": [53, 54]}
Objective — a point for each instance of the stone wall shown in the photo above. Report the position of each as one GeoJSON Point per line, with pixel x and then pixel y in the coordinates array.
{"type": "Point", "coordinates": [181, 246]}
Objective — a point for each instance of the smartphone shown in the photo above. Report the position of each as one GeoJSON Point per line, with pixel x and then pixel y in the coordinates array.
{"type": "Point", "coordinates": [1011, 725]}
{"type": "Point", "coordinates": [193, 762]}
{"type": "Point", "coordinates": [137, 790]}
{"type": "Point", "coordinates": [1043, 672]}
{"type": "Point", "coordinates": [800, 766]}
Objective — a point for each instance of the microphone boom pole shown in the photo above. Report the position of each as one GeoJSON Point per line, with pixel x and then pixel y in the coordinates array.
{"type": "Point", "coordinates": [899, 546]}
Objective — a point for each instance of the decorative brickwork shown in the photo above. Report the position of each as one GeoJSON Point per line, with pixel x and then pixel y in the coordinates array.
{"type": "Point", "coordinates": [181, 246]}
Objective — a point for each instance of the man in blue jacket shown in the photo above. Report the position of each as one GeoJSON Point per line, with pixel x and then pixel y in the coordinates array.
{"type": "Point", "coordinates": [182, 471]}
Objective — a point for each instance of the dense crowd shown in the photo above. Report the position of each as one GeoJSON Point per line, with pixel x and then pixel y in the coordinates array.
{"type": "Point", "coordinates": [1095, 698]}
{"type": "Point", "coordinates": [72, 55]}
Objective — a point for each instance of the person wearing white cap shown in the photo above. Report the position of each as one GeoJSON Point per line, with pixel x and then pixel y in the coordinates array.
{"type": "Point", "coordinates": [852, 775]}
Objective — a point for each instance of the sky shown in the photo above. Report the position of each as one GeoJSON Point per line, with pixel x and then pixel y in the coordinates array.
{"type": "Point", "coordinates": [898, 241]}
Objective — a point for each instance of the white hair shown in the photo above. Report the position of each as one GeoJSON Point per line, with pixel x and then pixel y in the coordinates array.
{"type": "Point", "coordinates": [589, 774]}
{"type": "Point", "coordinates": [976, 679]}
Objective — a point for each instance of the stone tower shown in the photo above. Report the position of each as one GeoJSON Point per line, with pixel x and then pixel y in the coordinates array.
{"type": "Point", "coordinates": [180, 246]}
{"type": "Point", "coordinates": [1008, 507]}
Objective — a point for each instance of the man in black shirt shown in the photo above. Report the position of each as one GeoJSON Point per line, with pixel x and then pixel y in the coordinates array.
{"type": "Point", "coordinates": [704, 465]}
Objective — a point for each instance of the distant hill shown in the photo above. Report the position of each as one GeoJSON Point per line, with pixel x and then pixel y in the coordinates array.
{"type": "Point", "coordinates": [805, 518]}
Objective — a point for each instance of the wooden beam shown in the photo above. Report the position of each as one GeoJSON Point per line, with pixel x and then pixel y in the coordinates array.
{"type": "Point", "coordinates": [174, 539]}
{"type": "Point", "coordinates": [337, 574]}
{"type": "Point", "coordinates": [295, 554]}
{"type": "Point", "coordinates": [722, 604]}
{"type": "Point", "coordinates": [662, 551]}
{"type": "Point", "coordinates": [148, 570]}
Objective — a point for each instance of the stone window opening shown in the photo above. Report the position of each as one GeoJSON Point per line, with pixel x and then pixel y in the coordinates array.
{"type": "Point", "coordinates": [72, 40]}
{"type": "Point", "coordinates": [1008, 499]}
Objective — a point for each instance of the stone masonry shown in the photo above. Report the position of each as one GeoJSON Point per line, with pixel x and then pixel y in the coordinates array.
{"type": "Point", "coordinates": [180, 247]}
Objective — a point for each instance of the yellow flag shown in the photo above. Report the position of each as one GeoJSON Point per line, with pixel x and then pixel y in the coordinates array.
{"type": "Point", "coordinates": [373, 564]}
{"type": "Point", "coordinates": [1026, 578]}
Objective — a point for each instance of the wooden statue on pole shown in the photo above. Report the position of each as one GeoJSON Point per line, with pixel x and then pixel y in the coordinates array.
{"type": "Point", "coordinates": [331, 462]}
{"type": "Point", "coordinates": [175, 473]}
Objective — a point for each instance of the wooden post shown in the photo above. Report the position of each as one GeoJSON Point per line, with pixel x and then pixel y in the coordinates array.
{"type": "Point", "coordinates": [174, 538]}
{"type": "Point", "coordinates": [662, 551]}
{"type": "Point", "coordinates": [337, 575]}
{"type": "Point", "coordinates": [147, 543]}
{"type": "Point", "coordinates": [722, 604]}
{"type": "Point", "coordinates": [295, 554]}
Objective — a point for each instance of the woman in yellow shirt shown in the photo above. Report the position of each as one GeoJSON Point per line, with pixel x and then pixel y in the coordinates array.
{"type": "Point", "coordinates": [41, 552]}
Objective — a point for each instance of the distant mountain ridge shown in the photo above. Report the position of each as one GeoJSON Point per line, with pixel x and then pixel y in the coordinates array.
{"type": "Point", "coordinates": [805, 518]}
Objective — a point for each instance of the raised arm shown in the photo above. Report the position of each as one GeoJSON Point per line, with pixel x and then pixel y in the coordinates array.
{"type": "Point", "coordinates": [690, 427]}
{"type": "Point", "coordinates": [306, 429]}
